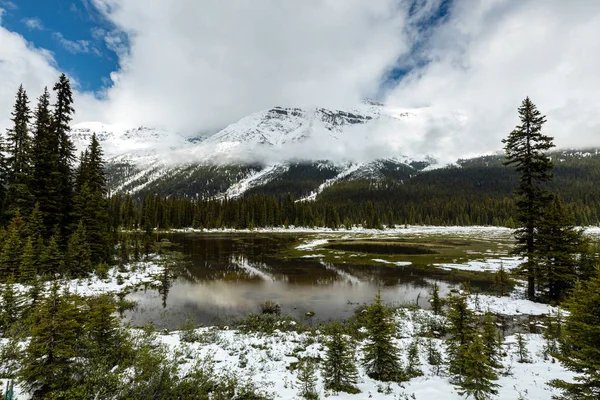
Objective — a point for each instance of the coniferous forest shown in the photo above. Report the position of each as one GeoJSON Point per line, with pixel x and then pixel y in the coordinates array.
{"type": "Point", "coordinates": [60, 224]}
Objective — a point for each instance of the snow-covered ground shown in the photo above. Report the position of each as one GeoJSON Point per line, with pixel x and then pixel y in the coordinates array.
{"type": "Point", "coordinates": [134, 275]}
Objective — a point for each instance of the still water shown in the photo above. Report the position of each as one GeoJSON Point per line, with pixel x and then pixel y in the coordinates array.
{"type": "Point", "coordinates": [229, 276]}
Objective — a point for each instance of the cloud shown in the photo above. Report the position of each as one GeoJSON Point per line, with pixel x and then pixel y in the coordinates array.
{"type": "Point", "coordinates": [488, 56]}
{"type": "Point", "coordinates": [73, 46]}
{"type": "Point", "coordinates": [198, 66]}
{"type": "Point", "coordinates": [33, 23]}
{"type": "Point", "coordinates": [22, 63]}
{"type": "Point", "coordinates": [201, 65]}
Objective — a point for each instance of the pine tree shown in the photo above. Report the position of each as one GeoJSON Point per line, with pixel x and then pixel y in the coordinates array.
{"type": "Point", "coordinates": [559, 246]}
{"type": "Point", "coordinates": [45, 165]}
{"type": "Point", "coordinates": [501, 280]}
{"type": "Point", "coordinates": [381, 360]}
{"type": "Point", "coordinates": [339, 369]}
{"type": "Point", "coordinates": [78, 256]}
{"type": "Point", "coordinates": [437, 303]}
{"type": "Point", "coordinates": [90, 204]}
{"type": "Point", "coordinates": [579, 350]}
{"type": "Point", "coordinates": [521, 349]}
{"type": "Point", "coordinates": [491, 340]}
{"type": "Point", "coordinates": [49, 356]}
{"type": "Point", "coordinates": [307, 380]}
{"type": "Point", "coordinates": [11, 255]}
{"type": "Point", "coordinates": [19, 157]}
{"type": "Point", "coordinates": [479, 375]}
{"type": "Point", "coordinates": [434, 356]}
{"type": "Point", "coordinates": [52, 261]}
{"type": "Point", "coordinates": [461, 331]}
{"type": "Point", "coordinates": [28, 267]}
{"type": "Point", "coordinates": [526, 148]}
{"type": "Point", "coordinates": [61, 118]}
{"type": "Point", "coordinates": [552, 335]}
{"type": "Point", "coordinates": [10, 306]}
{"type": "Point", "coordinates": [413, 368]}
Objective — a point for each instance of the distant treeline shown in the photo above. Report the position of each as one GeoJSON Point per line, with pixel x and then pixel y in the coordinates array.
{"type": "Point", "coordinates": [479, 192]}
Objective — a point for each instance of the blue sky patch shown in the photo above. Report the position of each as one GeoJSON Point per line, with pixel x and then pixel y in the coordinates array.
{"type": "Point", "coordinates": [72, 30]}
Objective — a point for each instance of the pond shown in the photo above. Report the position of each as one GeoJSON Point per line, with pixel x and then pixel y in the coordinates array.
{"type": "Point", "coordinates": [230, 275]}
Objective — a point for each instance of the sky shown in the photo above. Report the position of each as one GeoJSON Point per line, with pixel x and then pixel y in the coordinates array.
{"type": "Point", "coordinates": [197, 66]}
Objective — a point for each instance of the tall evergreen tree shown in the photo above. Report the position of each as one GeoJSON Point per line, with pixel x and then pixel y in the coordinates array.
{"type": "Point", "coordinates": [526, 148]}
{"type": "Point", "coordinates": [580, 334]}
{"type": "Point", "coordinates": [11, 252]}
{"type": "Point", "coordinates": [339, 368]}
{"type": "Point", "coordinates": [62, 116]}
{"type": "Point", "coordinates": [461, 331]}
{"type": "Point", "coordinates": [53, 347]}
{"type": "Point", "coordinates": [479, 375]}
{"type": "Point", "coordinates": [558, 249]}
{"type": "Point", "coordinates": [381, 356]}
{"type": "Point", "coordinates": [45, 165]}
{"type": "Point", "coordinates": [91, 205]}
{"type": "Point", "coordinates": [19, 157]}
{"type": "Point", "coordinates": [78, 256]}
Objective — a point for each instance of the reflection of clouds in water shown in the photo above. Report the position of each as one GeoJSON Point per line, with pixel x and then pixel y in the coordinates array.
{"type": "Point", "coordinates": [253, 269]}
{"type": "Point", "coordinates": [343, 274]}
{"type": "Point", "coordinates": [215, 299]}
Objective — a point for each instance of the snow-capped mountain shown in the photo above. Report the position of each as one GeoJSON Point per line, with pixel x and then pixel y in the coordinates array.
{"type": "Point", "coordinates": [318, 145]}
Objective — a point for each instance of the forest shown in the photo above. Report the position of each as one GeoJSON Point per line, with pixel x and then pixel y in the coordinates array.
{"type": "Point", "coordinates": [59, 223]}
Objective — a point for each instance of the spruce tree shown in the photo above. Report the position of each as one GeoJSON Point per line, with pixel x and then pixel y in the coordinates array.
{"type": "Point", "coordinates": [526, 148]}
{"type": "Point", "coordinates": [45, 165]}
{"type": "Point", "coordinates": [78, 256]}
{"type": "Point", "coordinates": [461, 331]}
{"type": "Point", "coordinates": [491, 339]}
{"type": "Point", "coordinates": [28, 267]}
{"type": "Point", "coordinates": [307, 380]}
{"type": "Point", "coordinates": [61, 118]}
{"type": "Point", "coordinates": [559, 246]}
{"type": "Point", "coordinates": [52, 261]}
{"type": "Point", "coordinates": [11, 254]}
{"type": "Point", "coordinates": [479, 375]}
{"type": "Point", "coordinates": [339, 368]}
{"type": "Point", "coordinates": [48, 365]}
{"type": "Point", "coordinates": [501, 280]}
{"type": "Point", "coordinates": [90, 204]}
{"type": "Point", "coordinates": [381, 356]}
{"type": "Point", "coordinates": [437, 303]}
{"type": "Point", "coordinates": [413, 367]}
{"type": "Point", "coordinates": [521, 349]}
{"type": "Point", "coordinates": [579, 350]}
{"type": "Point", "coordinates": [19, 157]}
{"type": "Point", "coordinates": [9, 314]}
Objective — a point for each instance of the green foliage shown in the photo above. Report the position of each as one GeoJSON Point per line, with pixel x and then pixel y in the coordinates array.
{"type": "Point", "coordinates": [48, 364]}
{"type": "Point", "coordinates": [521, 349]}
{"type": "Point", "coordinates": [307, 380]}
{"type": "Point", "coordinates": [557, 254]}
{"type": "Point", "coordinates": [436, 302]}
{"type": "Point", "coordinates": [461, 332]}
{"type": "Point", "coordinates": [502, 281]}
{"type": "Point", "coordinates": [491, 340]}
{"type": "Point", "coordinates": [339, 368]}
{"type": "Point", "coordinates": [381, 356]}
{"type": "Point", "coordinates": [479, 375]}
{"type": "Point", "coordinates": [579, 350]}
{"type": "Point", "coordinates": [413, 367]}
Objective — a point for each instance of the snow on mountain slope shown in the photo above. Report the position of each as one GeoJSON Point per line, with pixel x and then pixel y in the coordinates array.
{"type": "Point", "coordinates": [369, 140]}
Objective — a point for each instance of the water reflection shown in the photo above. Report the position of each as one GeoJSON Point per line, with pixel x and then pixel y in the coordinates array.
{"type": "Point", "coordinates": [231, 275]}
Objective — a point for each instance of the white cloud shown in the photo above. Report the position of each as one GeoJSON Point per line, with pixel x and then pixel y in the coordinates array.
{"type": "Point", "coordinates": [72, 46]}
{"type": "Point", "coordinates": [22, 63]}
{"type": "Point", "coordinates": [201, 65]}
{"type": "Point", "coordinates": [35, 68]}
{"type": "Point", "coordinates": [489, 55]}
{"type": "Point", "coordinates": [197, 66]}
{"type": "Point", "coordinates": [33, 23]}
